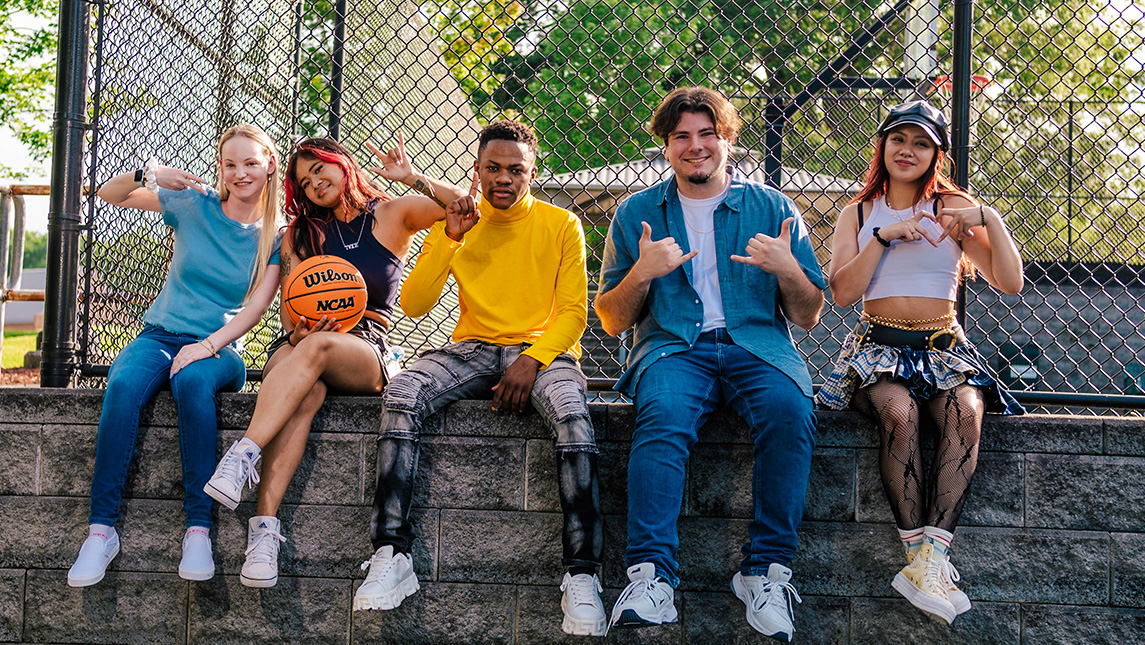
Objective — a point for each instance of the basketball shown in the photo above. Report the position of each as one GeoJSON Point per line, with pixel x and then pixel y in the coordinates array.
{"type": "Point", "coordinates": [326, 285]}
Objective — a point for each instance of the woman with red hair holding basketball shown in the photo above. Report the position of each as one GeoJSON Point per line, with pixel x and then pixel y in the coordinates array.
{"type": "Point", "coordinates": [335, 210]}
{"type": "Point", "coordinates": [223, 273]}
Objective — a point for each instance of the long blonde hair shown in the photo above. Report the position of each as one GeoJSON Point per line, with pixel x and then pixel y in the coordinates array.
{"type": "Point", "coordinates": [271, 199]}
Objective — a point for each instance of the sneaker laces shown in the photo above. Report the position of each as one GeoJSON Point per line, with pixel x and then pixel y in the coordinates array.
{"type": "Point", "coordinates": [949, 575]}
{"type": "Point", "coordinates": [636, 588]}
{"type": "Point", "coordinates": [379, 566]}
{"type": "Point", "coordinates": [262, 547]}
{"type": "Point", "coordinates": [932, 574]}
{"type": "Point", "coordinates": [581, 589]}
{"type": "Point", "coordinates": [776, 593]}
{"type": "Point", "coordinates": [235, 464]}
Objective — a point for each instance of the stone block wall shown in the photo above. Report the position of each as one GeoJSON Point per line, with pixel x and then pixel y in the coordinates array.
{"type": "Point", "coordinates": [1048, 548]}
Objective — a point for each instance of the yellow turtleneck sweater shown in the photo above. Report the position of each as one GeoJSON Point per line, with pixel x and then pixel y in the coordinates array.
{"type": "Point", "coordinates": [520, 278]}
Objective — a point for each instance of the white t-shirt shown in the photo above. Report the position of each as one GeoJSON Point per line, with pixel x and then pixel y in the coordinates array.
{"type": "Point", "coordinates": [698, 220]}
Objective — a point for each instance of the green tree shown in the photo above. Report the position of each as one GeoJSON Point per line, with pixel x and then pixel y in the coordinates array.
{"type": "Point", "coordinates": [27, 72]}
{"type": "Point", "coordinates": [35, 250]}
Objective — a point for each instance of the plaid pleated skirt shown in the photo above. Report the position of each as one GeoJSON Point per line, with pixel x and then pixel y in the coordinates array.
{"type": "Point", "coordinates": [925, 373]}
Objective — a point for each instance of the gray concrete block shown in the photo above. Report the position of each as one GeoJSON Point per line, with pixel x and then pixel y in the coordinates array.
{"type": "Point", "coordinates": [844, 430]}
{"type": "Point", "coordinates": [50, 405]}
{"type": "Point", "coordinates": [613, 570]}
{"type": "Point", "coordinates": [323, 541]}
{"type": "Point", "coordinates": [539, 616]}
{"type": "Point", "coordinates": [140, 608]}
{"type": "Point", "coordinates": [602, 414]}
{"type": "Point", "coordinates": [501, 547]}
{"type": "Point", "coordinates": [150, 534]}
{"type": "Point", "coordinates": [1054, 624]}
{"type": "Point", "coordinates": [68, 460]}
{"type": "Point", "coordinates": [542, 493]}
{"type": "Point", "coordinates": [621, 422]}
{"type": "Point", "coordinates": [879, 621]}
{"type": "Point", "coordinates": [465, 472]}
{"type": "Point", "coordinates": [331, 471]}
{"type": "Point", "coordinates": [871, 503]}
{"type": "Point", "coordinates": [349, 414]}
{"type": "Point", "coordinates": [997, 494]}
{"type": "Point", "coordinates": [11, 604]}
{"type": "Point", "coordinates": [1128, 570]}
{"type": "Point", "coordinates": [832, 488]}
{"type": "Point", "coordinates": [41, 532]}
{"type": "Point", "coordinates": [442, 613]}
{"type": "Point", "coordinates": [296, 610]}
{"type": "Point", "coordinates": [709, 552]}
{"type": "Point", "coordinates": [476, 418]}
{"type": "Point", "coordinates": [719, 480]}
{"type": "Point", "coordinates": [847, 559]}
{"type": "Point", "coordinates": [20, 458]}
{"type": "Point", "coordinates": [1024, 565]}
{"type": "Point", "coordinates": [1042, 433]}
{"type": "Point", "coordinates": [721, 618]}
{"type": "Point", "coordinates": [1124, 436]}
{"type": "Point", "coordinates": [1082, 492]}
{"type": "Point", "coordinates": [613, 465]}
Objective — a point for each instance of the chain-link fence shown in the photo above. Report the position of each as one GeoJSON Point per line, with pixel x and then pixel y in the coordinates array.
{"type": "Point", "coordinates": [1055, 127]}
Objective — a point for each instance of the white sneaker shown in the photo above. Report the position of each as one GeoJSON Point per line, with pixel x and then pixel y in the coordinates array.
{"type": "Point", "coordinates": [390, 581]}
{"type": "Point", "coordinates": [584, 612]}
{"type": "Point", "coordinates": [947, 576]}
{"type": "Point", "coordinates": [261, 566]}
{"type": "Point", "coordinates": [768, 601]}
{"type": "Point", "coordinates": [235, 470]}
{"type": "Point", "coordinates": [197, 562]}
{"type": "Point", "coordinates": [96, 552]}
{"type": "Point", "coordinates": [647, 600]}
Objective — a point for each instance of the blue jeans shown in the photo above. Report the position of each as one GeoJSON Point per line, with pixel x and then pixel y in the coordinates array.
{"type": "Point", "coordinates": [140, 371]}
{"type": "Point", "coordinates": [674, 398]}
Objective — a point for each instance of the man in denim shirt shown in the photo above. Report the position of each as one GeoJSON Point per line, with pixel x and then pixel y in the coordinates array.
{"type": "Point", "coordinates": [709, 268]}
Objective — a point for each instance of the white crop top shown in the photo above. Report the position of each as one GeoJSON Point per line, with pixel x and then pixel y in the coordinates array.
{"type": "Point", "coordinates": [911, 268]}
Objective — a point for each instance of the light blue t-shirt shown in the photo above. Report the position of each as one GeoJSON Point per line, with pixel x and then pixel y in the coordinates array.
{"type": "Point", "coordinates": [211, 264]}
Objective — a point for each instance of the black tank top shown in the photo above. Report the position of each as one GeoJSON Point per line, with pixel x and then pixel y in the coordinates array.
{"type": "Point", "coordinates": [379, 266]}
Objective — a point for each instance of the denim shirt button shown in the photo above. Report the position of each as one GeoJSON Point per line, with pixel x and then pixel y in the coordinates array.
{"type": "Point", "coordinates": [697, 324]}
{"type": "Point", "coordinates": [697, 302]}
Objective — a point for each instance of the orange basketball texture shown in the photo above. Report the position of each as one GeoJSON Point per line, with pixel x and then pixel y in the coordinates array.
{"type": "Point", "coordinates": [326, 285]}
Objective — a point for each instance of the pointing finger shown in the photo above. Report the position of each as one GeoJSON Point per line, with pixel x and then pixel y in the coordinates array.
{"type": "Point", "coordinates": [475, 187]}
{"type": "Point", "coordinates": [741, 259]}
{"type": "Point", "coordinates": [928, 237]}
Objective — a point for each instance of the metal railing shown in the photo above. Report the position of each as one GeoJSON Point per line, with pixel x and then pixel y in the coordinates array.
{"type": "Point", "coordinates": [12, 200]}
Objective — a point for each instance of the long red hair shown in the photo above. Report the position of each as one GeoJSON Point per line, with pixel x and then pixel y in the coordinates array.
{"type": "Point", "coordinates": [307, 219]}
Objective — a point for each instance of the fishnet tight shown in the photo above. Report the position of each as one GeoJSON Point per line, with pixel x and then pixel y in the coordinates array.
{"type": "Point", "coordinates": [957, 415]}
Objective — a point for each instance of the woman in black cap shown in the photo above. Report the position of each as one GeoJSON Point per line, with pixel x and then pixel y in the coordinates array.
{"type": "Point", "coordinates": [902, 246]}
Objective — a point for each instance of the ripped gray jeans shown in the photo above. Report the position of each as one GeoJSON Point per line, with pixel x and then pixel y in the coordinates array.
{"type": "Point", "coordinates": [469, 370]}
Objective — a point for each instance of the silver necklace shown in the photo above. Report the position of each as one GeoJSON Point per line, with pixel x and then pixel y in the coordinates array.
{"type": "Point", "coordinates": [350, 247]}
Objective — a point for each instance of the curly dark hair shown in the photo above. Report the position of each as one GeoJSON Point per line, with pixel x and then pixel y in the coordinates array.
{"type": "Point", "coordinates": [508, 131]}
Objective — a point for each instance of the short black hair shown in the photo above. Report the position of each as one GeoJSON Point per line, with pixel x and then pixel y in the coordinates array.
{"type": "Point", "coordinates": [508, 131]}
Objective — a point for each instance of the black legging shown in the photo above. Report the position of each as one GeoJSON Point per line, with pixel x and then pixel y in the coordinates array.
{"type": "Point", "coordinates": [957, 414]}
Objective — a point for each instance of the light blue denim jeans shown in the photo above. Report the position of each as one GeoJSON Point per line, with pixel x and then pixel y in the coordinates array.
{"type": "Point", "coordinates": [674, 397]}
{"type": "Point", "coordinates": [140, 371]}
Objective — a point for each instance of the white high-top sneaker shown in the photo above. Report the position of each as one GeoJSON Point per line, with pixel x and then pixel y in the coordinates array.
{"type": "Point", "coordinates": [235, 470]}
{"type": "Point", "coordinates": [262, 540]}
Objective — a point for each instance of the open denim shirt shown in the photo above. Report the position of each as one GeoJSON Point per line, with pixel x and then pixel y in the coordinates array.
{"type": "Point", "coordinates": [673, 314]}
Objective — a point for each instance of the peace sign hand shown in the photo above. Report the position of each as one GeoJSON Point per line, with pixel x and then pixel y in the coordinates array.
{"type": "Point", "coordinates": [396, 164]}
{"type": "Point", "coordinates": [772, 254]}
{"type": "Point", "coordinates": [660, 257]}
{"type": "Point", "coordinates": [910, 230]}
{"type": "Point", "coordinates": [175, 179]}
{"type": "Point", "coordinates": [462, 214]}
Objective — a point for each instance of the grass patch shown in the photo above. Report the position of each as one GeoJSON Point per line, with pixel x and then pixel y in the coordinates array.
{"type": "Point", "coordinates": [16, 344]}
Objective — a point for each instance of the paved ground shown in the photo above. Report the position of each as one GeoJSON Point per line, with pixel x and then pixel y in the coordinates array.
{"type": "Point", "coordinates": [20, 377]}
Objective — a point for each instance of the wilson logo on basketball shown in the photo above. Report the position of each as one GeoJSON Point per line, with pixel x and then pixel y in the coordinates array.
{"type": "Point", "coordinates": [329, 275]}
{"type": "Point", "coordinates": [328, 286]}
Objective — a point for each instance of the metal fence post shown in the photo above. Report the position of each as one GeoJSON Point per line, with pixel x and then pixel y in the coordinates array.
{"type": "Point", "coordinates": [5, 201]}
{"type": "Point", "coordinates": [960, 111]}
{"type": "Point", "coordinates": [69, 124]}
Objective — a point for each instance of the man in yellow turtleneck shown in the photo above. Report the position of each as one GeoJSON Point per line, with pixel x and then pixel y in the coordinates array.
{"type": "Point", "coordinates": [519, 265]}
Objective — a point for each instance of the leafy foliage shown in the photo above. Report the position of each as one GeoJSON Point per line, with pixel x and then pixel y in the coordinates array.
{"type": "Point", "coordinates": [28, 71]}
